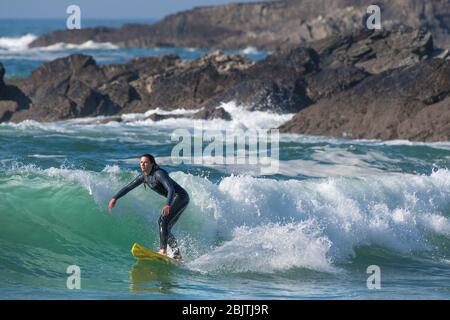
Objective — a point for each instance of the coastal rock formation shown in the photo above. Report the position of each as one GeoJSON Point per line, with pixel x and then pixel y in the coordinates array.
{"type": "Point", "coordinates": [63, 89]}
{"type": "Point", "coordinates": [367, 84]}
{"type": "Point", "coordinates": [76, 86]}
{"type": "Point", "coordinates": [189, 84]}
{"type": "Point", "coordinates": [271, 83]}
{"type": "Point", "coordinates": [265, 25]}
{"type": "Point", "coordinates": [2, 74]}
{"type": "Point", "coordinates": [407, 103]}
{"type": "Point", "coordinates": [292, 79]}
{"type": "Point", "coordinates": [376, 51]}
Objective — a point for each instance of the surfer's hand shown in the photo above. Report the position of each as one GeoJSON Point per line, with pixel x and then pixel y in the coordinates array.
{"type": "Point", "coordinates": [111, 204]}
{"type": "Point", "coordinates": [166, 210]}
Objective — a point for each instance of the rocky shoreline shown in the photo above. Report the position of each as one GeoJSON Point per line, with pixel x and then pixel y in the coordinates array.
{"type": "Point", "coordinates": [366, 84]}
{"type": "Point", "coordinates": [75, 86]}
{"type": "Point", "coordinates": [370, 84]}
{"type": "Point", "coordinates": [266, 25]}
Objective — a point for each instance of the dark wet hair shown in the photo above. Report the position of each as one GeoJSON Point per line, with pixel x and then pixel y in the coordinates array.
{"type": "Point", "coordinates": [149, 157]}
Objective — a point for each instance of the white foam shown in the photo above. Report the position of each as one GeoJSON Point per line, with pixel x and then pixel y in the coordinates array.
{"type": "Point", "coordinates": [250, 50]}
{"type": "Point", "coordinates": [139, 118]}
{"type": "Point", "coordinates": [266, 225]}
{"type": "Point", "coordinates": [269, 248]}
{"type": "Point", "coordinates": [399, 212]}
{"type": "Point", "coordinates": [111, 169]}
{"type": "Point", "coordinates": [242, 119]}
{"type": "Point", "coordinates": [46, 156]}
{"type": "Point", "coordinates": [82, 46]}
{"type": "Point", "coordinates": [18, 49]}
{"type": "Point", "coordinates": [17, 43]}
{"type": "Point", "coordinates": [437, 223]}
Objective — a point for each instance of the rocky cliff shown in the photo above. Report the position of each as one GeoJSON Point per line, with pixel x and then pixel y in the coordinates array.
{"type": "Point", "coordinates": [265, 25]}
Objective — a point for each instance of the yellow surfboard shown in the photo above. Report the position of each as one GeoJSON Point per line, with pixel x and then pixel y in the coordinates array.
{"type": "Point", "coordinates": [141, 252]}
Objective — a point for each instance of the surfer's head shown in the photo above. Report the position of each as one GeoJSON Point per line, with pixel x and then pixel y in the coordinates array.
{"type": "Point", "coordinates": [147, 161]}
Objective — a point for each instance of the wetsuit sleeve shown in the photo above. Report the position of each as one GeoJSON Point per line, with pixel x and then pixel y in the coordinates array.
{"type": "Point", "coordinates": [133, 184]}
{"type": "Point", "coordinates": [165, 180]}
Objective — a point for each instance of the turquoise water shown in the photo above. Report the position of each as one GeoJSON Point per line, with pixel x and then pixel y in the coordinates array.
{"type": "Point", "coordinates": [309, 230]}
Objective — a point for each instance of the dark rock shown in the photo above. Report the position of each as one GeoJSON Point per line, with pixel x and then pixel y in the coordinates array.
{"type": "Point", "coordinates": [427, 82]}
{"type": "Point", "coordinates": [13, 93]}
{"type": "Point", "coordinates": [375, 51]}
{"type": "Point", "coordinates": [139, 67]}
{"type": "Point", "coordinates": [54, 77]}
{"type": "Point", "coordinates": [272, 83]}
{"type": "Point", "coordinates": [158, 117]}
{"type": "Point", "coordinates": [129, 85]}
{"type": "Point", "coordinates": [7, 108]}
{"type": "Point", "coordinates": [184, 89]}
{"type": "Point", "coordinates": [50, 108]}
{"type": "Point", "coordinates": [328, 82]}
{"type": "Point", "coordinates": [203, 114]}
{"type": "Point", "coordinates": [189, 84]}
{"type": "Point", "coordinates": [212, 113]}
{"type": "Point", "coordinates": [12, 99]}
{"type": "Point", "coordinates": [395, 104]}
{"type": "Point", "coordinates": [75, 100]}
{"type": "Point", "coordinates": [65, 88]}
{"type": "Point", "coordinates": [429, 124]}
{"type": "Point", "coordinates": [121, 92]}
{"type": "Point", "coordinates": [2, 74]}
{"type": "Point", "coordinates": [89, 102]}
{"type": "Point", "coordinates": [290, 80]}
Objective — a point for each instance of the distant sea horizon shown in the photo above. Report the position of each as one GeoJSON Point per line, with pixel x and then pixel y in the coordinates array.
{"type": "Point", "coordinates": [20, 60]}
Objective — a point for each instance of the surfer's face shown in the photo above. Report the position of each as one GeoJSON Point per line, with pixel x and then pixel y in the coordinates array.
{"type": "Point", "coordinates": [146, 166]}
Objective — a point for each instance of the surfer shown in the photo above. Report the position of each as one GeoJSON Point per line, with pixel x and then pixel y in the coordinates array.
{"type": "Point", "coordinates": [177, 200]}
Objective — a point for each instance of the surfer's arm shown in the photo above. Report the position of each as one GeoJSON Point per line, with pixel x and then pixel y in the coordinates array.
{"type": "Point", "coordinates": [165, 180]}
{"type": "Point", "coordinates": [133, 184]}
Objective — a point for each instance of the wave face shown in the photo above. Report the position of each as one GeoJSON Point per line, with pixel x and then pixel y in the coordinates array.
{"type": "Point", "coordinates": [335, 207]}
{"type": "Point", "coordinates": [240, 224]}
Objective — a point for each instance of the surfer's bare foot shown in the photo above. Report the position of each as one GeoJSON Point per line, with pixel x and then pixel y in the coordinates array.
{"type": "Point", "coordinates": [163, 252]}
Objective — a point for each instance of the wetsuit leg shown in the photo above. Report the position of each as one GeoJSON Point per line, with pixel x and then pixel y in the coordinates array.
{"type": "Point", "coordinates": [166, 222]}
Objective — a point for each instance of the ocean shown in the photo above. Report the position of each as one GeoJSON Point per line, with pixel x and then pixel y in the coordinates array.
{"type": "Point", "coordinates": [20, 60]}
{"type": "Point", "coordinates": [316, 228]}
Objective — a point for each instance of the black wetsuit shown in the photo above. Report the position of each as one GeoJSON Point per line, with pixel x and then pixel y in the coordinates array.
{"type": "Point", "coordinates": [176, 197]}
